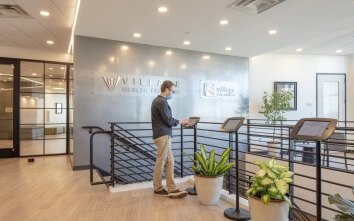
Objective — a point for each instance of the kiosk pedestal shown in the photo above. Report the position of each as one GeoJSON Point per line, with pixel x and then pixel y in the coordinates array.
{"type": "Point", "coordinates": [193, 121]}
{"type": "Point", "coordinates": [318, 130]}
{"type": "Point", "coordinates": [232, 125]}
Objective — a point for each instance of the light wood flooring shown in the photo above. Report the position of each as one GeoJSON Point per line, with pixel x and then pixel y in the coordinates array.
{"type": "Point", "coordinates": [49, 190]}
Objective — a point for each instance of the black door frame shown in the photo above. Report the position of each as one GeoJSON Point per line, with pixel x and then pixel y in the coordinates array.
{"type": "Point", "coordinates": [15, 106]}
{"type": "Point", "coordinates": [16, 102]}
{"type": "Point", "coordinates": [345, 92]}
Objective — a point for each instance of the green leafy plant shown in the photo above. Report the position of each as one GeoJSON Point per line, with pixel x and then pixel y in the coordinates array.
{"type": "Point", "coordinates": [207, 165]}
{"type": "Point", "coordinates": [275, 105]}
{"type": "Point", "coordinates": [345, 205]}
{"type": "Point", "coordinates": [271, 182]}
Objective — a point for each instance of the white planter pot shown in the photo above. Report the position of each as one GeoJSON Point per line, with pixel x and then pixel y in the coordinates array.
{"type": "Point", "coordinates": [274, 149]}
{"type": "Point", "coordinates": [273, 210]}
{"type": "Point", "coordinates": [208, 189]}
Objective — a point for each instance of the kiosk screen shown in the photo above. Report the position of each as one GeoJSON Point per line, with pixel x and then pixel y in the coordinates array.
{"type": "Point", "coordinates": [313, 128]}
{"type": "Point", "coordinates": [231, 125]}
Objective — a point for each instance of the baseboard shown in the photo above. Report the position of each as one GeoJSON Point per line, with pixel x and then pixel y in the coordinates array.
{"type": "Point", "coordinates": [83, 167]}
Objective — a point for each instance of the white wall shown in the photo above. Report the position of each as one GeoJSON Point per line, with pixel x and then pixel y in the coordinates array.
{"type": "Point", "coordinates": [34, 54]}
{"type": "Point", "coordinates": [267, 68]}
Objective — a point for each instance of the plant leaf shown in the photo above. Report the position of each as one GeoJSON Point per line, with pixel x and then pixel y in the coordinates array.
{"type": "Point", "coordinates": [266, 181]}
{"type": "Point", "coordinates": [287, 200]}
{"type": "Point", "coordinates": [265, 198]}
{"type": "Point", "coordinates": [203, 153]}
{"type": "Point", "coordinates": [201, 162]}
{"type": "Point", "coordinates": [225, 168]}
{"type": "Point", "coordinates": [211, 162]}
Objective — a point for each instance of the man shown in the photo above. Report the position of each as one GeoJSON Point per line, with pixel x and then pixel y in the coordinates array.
{"type": "Point", "coordinates": [162, 123]}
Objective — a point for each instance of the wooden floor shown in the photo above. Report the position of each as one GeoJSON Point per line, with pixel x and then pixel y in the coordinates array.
{"type": "Point", "coordinates": [49, 190]}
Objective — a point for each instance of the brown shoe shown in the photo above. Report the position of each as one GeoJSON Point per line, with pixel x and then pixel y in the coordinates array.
{"type": "Point", "coordinates": [161, 193]}
{"type": "Point", "coordinates": [177, 194]}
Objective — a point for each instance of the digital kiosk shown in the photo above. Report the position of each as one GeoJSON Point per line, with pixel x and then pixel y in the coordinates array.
{"type": "Point", "coordinates": [318, 130]}
{"type": "Point", "coordinates": [192, 123]}
{"type": "Point", "coordinates": [232, 125]}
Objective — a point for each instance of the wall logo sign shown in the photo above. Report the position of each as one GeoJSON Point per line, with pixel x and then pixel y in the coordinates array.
{"type": "Point", "coordinates": [219, 89]}
{"type": "Point", "coordinates": [111, 82]}
{"type": "Point", "coordinates": [133, 85]}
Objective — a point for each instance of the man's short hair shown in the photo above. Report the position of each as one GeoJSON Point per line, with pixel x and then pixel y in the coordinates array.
{"type": "Point", "coordinates": [167, 84]}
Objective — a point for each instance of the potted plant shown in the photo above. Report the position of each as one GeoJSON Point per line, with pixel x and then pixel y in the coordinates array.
{"type": "Point", "coordinates": [268, 193]}
{"type": "Point", "coordinates": [209, 175]}
{"type": "Point", "coordinates": [274, 107]}
{"type": "Point", "coordinates": [345, 205]}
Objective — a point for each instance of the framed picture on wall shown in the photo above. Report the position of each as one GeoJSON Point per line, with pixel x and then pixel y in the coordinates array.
{"type": "Point", "coordinates": [58, 108]}
{"type": "Point", "coordinates": [288, 86]}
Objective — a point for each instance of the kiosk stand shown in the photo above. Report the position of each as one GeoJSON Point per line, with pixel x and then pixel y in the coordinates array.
{"type": "Point", "coordinates": [193, 121]}
{"type": "Point", "coordinates": [232, 125]}
{"type": "Point", "coordinates": [318, 130]}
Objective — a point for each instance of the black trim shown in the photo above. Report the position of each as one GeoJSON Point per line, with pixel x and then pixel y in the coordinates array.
{"type": "Point", "coordinates": [16, 102]}
{"type": "Point", "coordinates": [83, 167]}
{"type": "Point", "coordinates": [295, 92]}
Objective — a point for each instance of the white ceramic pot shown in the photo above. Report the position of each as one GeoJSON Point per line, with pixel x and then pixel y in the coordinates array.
{"type": "Point", "coordinates": [208, 189]}
{"type": "Point", "coordinates": [274, 149]}
{"type": "Point", "coordinates": [274, 210]}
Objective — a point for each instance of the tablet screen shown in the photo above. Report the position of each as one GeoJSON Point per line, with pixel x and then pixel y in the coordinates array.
{"type": "Point", "coordinates": [313, 128]}
{"type": "Point", "coordinates": [231, 125]}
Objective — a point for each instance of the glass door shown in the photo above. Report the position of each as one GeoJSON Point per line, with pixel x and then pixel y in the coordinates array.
{"type": "Point", "coordinates": [331, 97]}
{"type": "Point", "coordinates": [7, 116]}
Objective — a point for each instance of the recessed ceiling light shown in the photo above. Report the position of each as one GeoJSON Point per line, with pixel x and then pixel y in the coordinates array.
{"type": "Point", "coordinates": [44, 13]}
{"type": "Point", "coordinates": [50, 75]}
{"type": "Point", "coordinates": [186, 42]}
{"type": "Point", "coordinates": [162, 9]}
{"type": "Point", "coordinates": [205, 57]}
{"type": "Point", "coordinates": [183, 66]}
{"type": "Point", "coordinates": [223, 22]}
{"type": "Point", "coordinates": [151, 63]}
{"type": "Point", "coordinates": [34, 74]}
{"type": "Point", "coordinates": [49, 42]}
{"type": "Point", "coordinates": [339, 51]}
{"type": "Point", "coordinates": [299, 50]}
{"type": "Point", "coordinates": [50, 68]}
{"type": "Point", "coordinates": [62, 68]}
{"type": "Point", "coordinates": [168, 52]}
{"type": "Point", "coordinates": [112, 59]}
{"type": "Point", "coordinates": [137, 35]}
{"type": "Point", "coordinates": [272, 32]}
{"type": "Point", "coordinates": [228, 49]}
{"type": "Point", "coordinates": [124, 47]}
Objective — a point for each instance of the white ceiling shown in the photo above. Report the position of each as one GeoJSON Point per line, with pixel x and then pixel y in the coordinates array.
{"type": "Point", "coordinates": [318, 26]}
{"type": "Point", "coordinates": [34, 32]}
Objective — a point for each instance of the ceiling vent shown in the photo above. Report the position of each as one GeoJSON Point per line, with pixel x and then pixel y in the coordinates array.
{"type": "Point", "coordinates": [13, 11]}
{"type": "Point", "coordinates": [254, 6]}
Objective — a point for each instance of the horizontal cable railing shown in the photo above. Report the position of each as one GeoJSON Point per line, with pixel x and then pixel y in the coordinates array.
{"type": "Point", "coordinates": [133, 153]}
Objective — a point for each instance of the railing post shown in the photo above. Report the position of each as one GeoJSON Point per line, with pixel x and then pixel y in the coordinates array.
{"type": "Point", "coordinates": [281, 139]}
{"type": "Point", "coordinates": [181, 150]}
{"type": "Point", "coordinates": [248, 136]}
{"type": "Point", "coordinates": [291, 167]}
{"type": "Point", "coordinates": [112, 154]}
{"type": "Point", "coordinates": [318, 181]}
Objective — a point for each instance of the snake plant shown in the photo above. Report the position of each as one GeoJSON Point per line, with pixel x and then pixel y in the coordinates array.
{"type": "Point", "coordinates": [271, 182]}
{"type": "Point", "coordinates": [345, 205]}
{"type": "Point", "coordinates": [207, 165]}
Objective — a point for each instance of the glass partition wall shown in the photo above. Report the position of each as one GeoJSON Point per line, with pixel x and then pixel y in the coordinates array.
{"type": "Point", "coordinates": [46, 108]}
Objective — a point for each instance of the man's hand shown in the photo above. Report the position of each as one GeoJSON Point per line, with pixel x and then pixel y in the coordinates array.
{"type": "Point", "coordinates": [184, 121]}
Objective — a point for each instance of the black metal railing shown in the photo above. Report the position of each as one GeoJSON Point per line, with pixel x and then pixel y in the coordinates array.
{"type": "Point", "coordinates": [132, 154]}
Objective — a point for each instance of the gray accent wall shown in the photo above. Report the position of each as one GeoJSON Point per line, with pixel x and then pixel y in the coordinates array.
{"type": "Point", "coordinates": [93, 57]}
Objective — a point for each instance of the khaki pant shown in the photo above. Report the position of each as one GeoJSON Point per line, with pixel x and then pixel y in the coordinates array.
{"type": "Point", "coordinates": [164, 159]}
